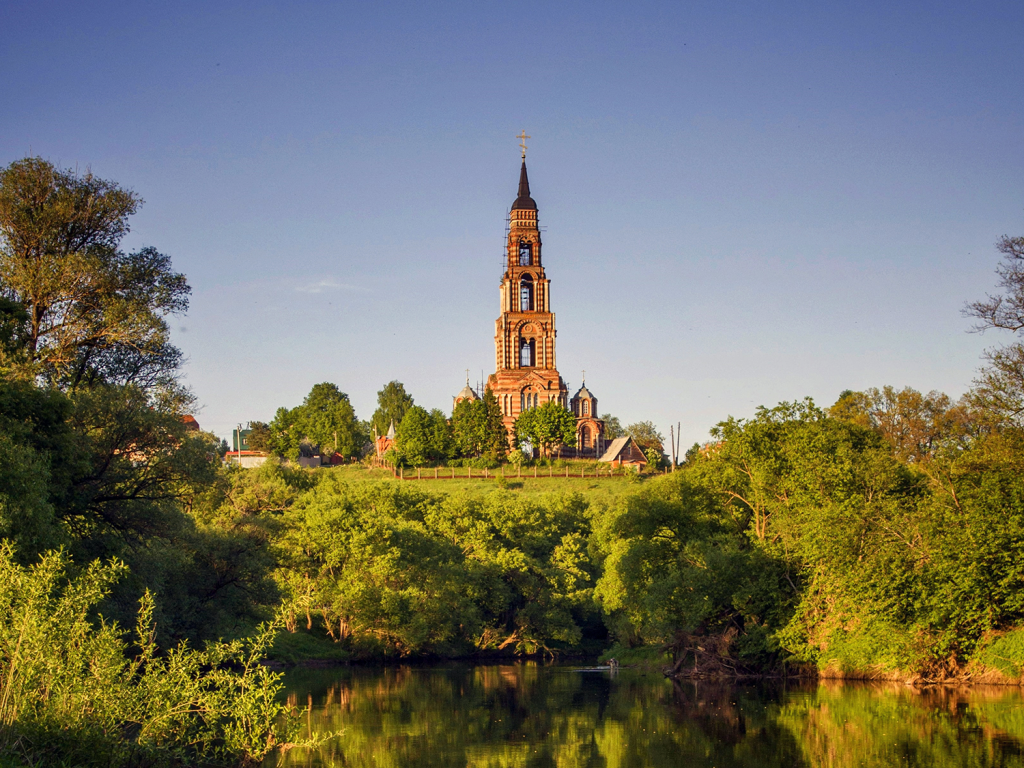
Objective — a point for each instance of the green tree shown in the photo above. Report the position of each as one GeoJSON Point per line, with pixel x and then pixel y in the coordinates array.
{"type": "Point", "coordinates": [87, 312]}
{"type": "Point", "coordinates": [612, 427]}
{"type": "Point", "coordinates": [646, 435]}
{"type": "Point", "coordinates": [285, 433]}
{"type": "Point", "coordinates": [424, 437]}
{"type": "Point", "coordinates": [546, 427]}
{"type": "Point", "coordinates": [260, 437]}
{"type": "Point", "coordinates": [326, 418]}
{"type": "Point", "coordinates": [495, 439]}
{"type": "Point", "coordinates": [393, 402]}
{"type": "Point", "coordinates": [469, 427]}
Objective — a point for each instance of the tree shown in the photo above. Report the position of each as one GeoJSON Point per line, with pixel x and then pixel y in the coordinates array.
{"type": "Point", "coordinates": [469, 426]}
{"type": "Point", "coordinates": [81, 310]}
{"type": "Point", "coordinates": [1005, 311]}
{"type": "Point", "coordinates": [327, 419]}
{"type": "Point", "coordinates": [260, 437]}
{"type": "Point", "coordinates": [546, 427]}
{"type": "Point", "coordinates": [393, 402]}
{"type": "Point", "coordinates": [285, 433]}
{"type": "Point", "coordinates": [479, 429]}
{"type": "Point", "coordinates": [612, 427]}
{"type": "Point", "coordinates": [999, 389]}
{"type": "Point", "coordinates": [495, 443]}
{"type": "Point", "coordinates": [424, 437]}
{"type": "Point", "coordinates": [915, 425]}
{"type": "Point", "coordinates": [646, 435]}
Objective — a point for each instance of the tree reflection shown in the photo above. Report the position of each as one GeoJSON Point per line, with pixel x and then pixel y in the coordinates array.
{"type": "Point", "coordinates": [528, 715]}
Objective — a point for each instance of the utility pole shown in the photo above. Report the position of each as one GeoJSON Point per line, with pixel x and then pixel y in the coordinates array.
{"type": "Point", "coordinates": [672, 445]}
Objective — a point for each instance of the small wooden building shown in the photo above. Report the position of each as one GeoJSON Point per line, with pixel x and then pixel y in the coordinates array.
{"type": "Point", "coordinates": [623, 451]}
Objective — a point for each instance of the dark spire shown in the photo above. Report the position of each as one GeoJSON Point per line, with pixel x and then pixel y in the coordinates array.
{"type": "Point", "coordinates": [524, 201]}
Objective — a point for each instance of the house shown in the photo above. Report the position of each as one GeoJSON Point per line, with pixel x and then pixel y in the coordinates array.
{"type": "Point", "coordinates": [624, 451]}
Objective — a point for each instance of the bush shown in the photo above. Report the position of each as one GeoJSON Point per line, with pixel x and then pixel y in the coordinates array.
{"type": "Point", "coordinates": [1005, 653]}
{"type": "Point", "coordinates": [71, 688]}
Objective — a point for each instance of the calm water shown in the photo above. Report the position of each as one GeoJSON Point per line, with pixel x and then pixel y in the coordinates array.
{"type": "Point", "coordinates": [529, 715]}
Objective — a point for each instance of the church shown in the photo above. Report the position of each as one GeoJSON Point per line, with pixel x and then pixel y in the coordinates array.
{"type": "Point", "coordinates": [526, 373]}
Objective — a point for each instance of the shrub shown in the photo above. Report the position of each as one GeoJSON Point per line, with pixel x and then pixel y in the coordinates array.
{"type": "Point", "coordinates": [71, 686]}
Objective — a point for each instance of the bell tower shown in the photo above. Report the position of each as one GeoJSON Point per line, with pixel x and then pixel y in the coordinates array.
{"type": "Point", "coordinates": [524, 333]}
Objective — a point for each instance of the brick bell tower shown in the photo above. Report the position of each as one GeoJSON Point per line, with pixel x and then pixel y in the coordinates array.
{"type": "Point", "coordinates": [524, 333]}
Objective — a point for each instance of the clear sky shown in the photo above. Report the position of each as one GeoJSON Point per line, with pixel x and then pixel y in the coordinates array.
{"type": "Point", "coordinates": [744, 202]}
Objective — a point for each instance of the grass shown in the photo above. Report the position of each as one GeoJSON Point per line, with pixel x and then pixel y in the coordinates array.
{"type": "Point", "coordinates": [594, 489]}
{"type": "Point", "coordinates": [296, 647]}
{"type": "Point", "coordinates": [644, 656]}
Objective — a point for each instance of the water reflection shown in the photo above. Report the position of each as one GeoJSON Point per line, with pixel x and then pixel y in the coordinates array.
{"type": "Point", "coordinates": [529, 715]}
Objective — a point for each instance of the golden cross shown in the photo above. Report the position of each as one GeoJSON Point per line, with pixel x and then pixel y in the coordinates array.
{"type": "Point", "coordinates": [584, 377]}
{"type": "Point", "coordinates": [467, 377]}
{"type": "Point", "coordinates": [522, 142]}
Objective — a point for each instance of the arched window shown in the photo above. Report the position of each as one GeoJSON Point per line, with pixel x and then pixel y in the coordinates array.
{"type": "Point", "coordinates": [584, 437]}
{"type": "Point", "coordinates": [526, 350]}
{"type": "Point", "coordinates": [526, 294]}
{"type": "Point", "coordinates": [524, 253]}
{"type": "Point", "coordinates": [586, 408]}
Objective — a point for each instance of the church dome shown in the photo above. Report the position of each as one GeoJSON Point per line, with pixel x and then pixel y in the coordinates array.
{"type": "Point", "coordinates": [467, 393]}
{"type": "Point", "coordinates": [584, 393]}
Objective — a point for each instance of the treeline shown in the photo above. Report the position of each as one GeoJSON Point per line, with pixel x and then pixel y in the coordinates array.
{"type": "Point", "coordinates": [325, 424]}
{"type": "Point", "coordinates": [883, 536]}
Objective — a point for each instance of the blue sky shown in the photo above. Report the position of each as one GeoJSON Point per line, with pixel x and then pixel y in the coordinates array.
{"type": "Point", "coordinates": [744, 203]}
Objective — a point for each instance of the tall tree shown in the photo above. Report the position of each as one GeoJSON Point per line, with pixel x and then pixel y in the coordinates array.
{"type": "Point", "coordinates": [393, 402]}
{"type": "Point", "coordinates": [469, 427]}
{"type": "Point", "coordinates": [495, 444]}
{"type": "Point", "coordinates": [89, 312]}
{"type": "Point", "coordinates": [327, 419]}
{"type": "Point", "coordinates": [479, 429]}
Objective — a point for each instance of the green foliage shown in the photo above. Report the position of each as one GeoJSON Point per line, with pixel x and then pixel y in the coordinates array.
{"type": "Point", "coordinates": [393, 402]}
{"type": "Point", "coordinates": [325, 420]}
{"type": "Point", "coordinates": [328, 420]}
{"type": "Point", "coordinates": [478, 429]}
{"type": "Point", "coordinates": [612, 427]}
{"type": "Point", "coordinates": [385, 569]}
{"type": "Point", "coordinates": [545, 427]}
{"type": "Point", "coordinates": [424, 438]}
{"type": "Point", "coordinates": [75, 687]}
{"type": "Point", "coordinates": [84, 312]}
{"type": "Point", "coordinates": [1005, 652]}
{"type": "Point", "coordinates": [646, 435]}
{"type": "Point", "coordinates": [260, 437]}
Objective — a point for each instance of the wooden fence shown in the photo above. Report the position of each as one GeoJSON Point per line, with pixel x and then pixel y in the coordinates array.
{"type": "Point", "coordinates": [468, 473]}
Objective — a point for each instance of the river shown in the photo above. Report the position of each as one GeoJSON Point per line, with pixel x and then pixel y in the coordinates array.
{"type": "Point", "coordinates": [532, 715]}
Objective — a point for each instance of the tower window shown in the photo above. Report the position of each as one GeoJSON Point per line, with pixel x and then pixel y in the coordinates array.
{"type": "Point", "coordinates": [526, 353]}
{"type": "Point", "coordinates": [524, 253]}
{"type": "Point", "coordinates": [526, 294]}
{"type": "Point", "coordinates": [586, 408]}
